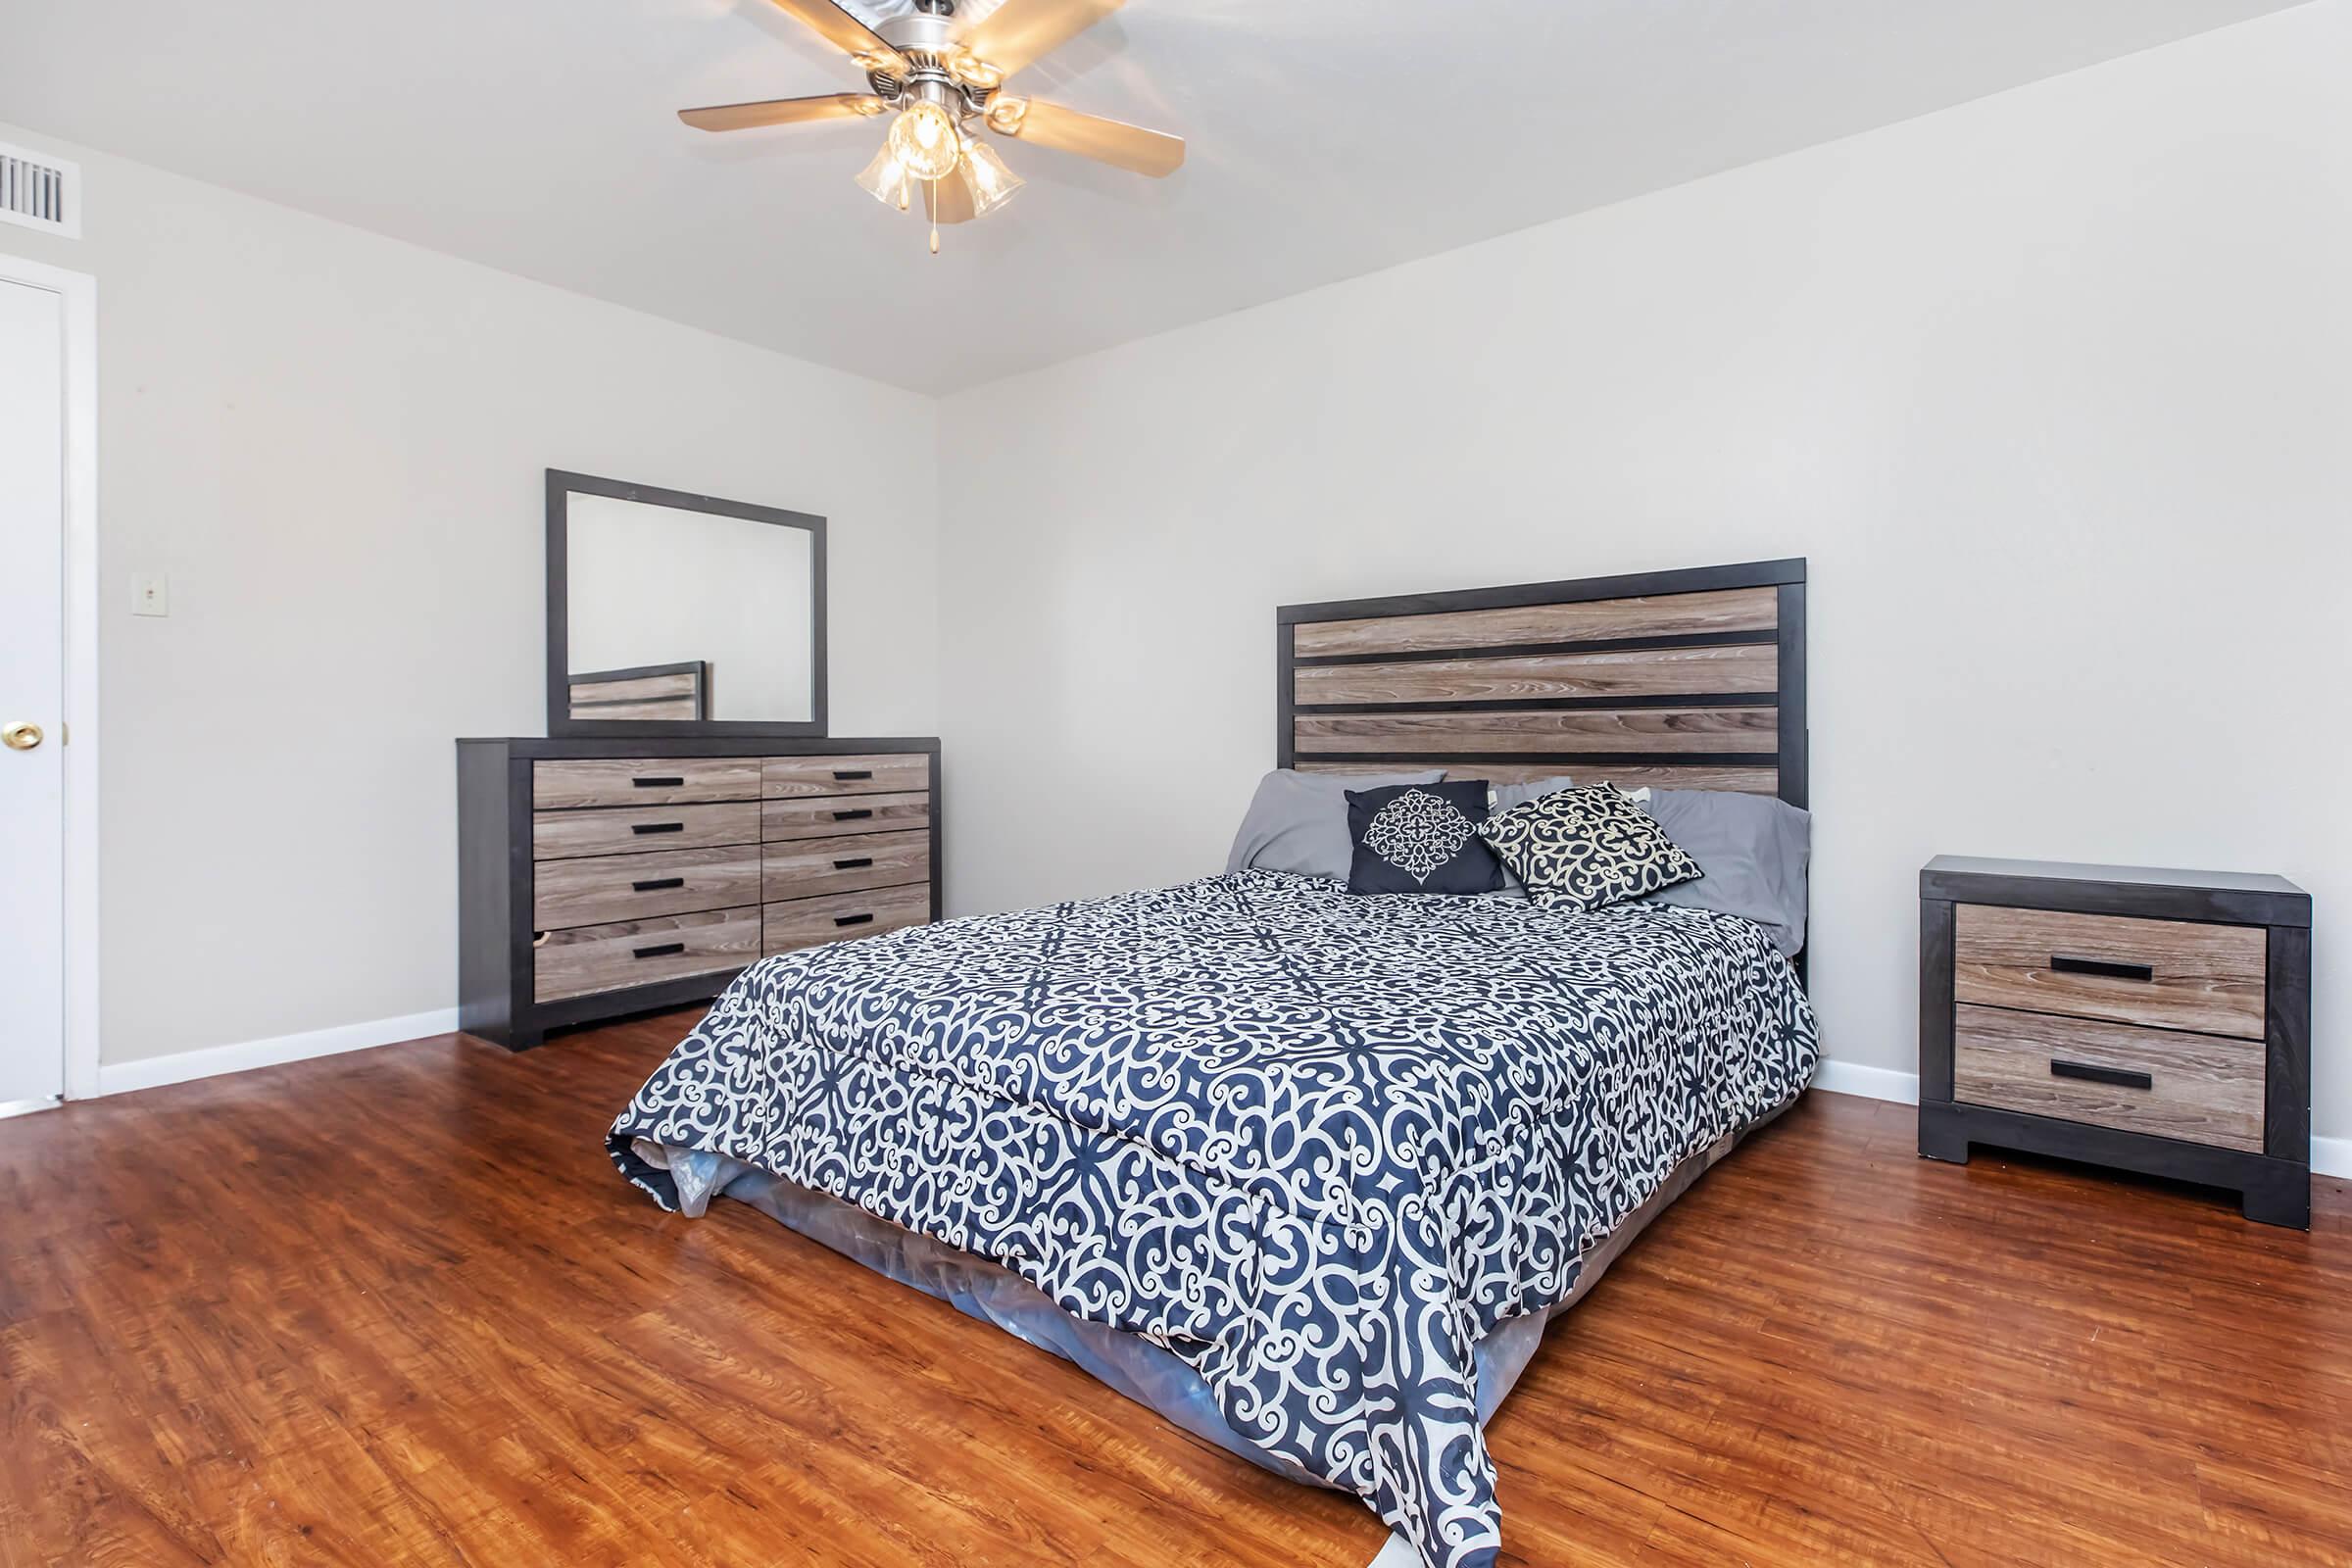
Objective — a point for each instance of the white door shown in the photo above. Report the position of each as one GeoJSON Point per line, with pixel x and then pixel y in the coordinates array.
{"type": "Point", "coordinates": [32, 532]}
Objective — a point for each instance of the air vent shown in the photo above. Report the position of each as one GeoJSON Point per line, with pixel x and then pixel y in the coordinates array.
{"type": "Point", "coordinates": [41, 192]}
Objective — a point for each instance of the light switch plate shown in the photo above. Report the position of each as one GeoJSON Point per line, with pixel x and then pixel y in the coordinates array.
{"type": "Point", "coordinates": [150, 594]}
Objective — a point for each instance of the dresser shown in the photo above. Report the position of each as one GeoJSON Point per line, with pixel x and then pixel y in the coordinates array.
{"type": "Point", "coordinates": [611, 876]}
{"type": "Point", "coordinates": [2148, 1020]}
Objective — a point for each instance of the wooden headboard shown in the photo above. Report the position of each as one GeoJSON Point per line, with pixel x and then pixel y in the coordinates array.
{"type": "Point", "coordinates": [1680, 679]}
{"type": "Point", "coordinates": [680, 691]}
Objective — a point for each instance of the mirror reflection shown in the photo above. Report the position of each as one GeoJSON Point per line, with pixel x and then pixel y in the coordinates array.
{"type": "Point", "coordinates": [683, 615]}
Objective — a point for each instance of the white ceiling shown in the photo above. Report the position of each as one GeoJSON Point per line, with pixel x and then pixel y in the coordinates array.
{"type": "Point", "coordinates": [1328, 140]}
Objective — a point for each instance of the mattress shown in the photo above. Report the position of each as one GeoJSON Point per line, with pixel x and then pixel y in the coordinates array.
{"type": "Point", "coordinates": [1317, 1149]}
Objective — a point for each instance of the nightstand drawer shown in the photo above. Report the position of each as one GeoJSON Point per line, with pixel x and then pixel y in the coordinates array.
{"type": "Point", "coordinates": [2169, 974]}
{"type": "Point", "coordinates": [2205, 1089]}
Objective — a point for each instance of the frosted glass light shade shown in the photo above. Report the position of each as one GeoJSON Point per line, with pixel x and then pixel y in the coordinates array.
{"type": "Point", "coordinates": [984, 175]}
{"type": "Point", "coordinates": [926, 140]}
{"type": "Point", "coordinates": [886, 179]}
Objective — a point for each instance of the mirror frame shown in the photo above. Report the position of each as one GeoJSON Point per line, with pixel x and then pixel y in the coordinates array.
{"type": "Point", "coordinates": [561, 486]}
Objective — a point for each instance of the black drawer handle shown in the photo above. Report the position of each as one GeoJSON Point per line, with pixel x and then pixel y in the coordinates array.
{"type": "Point", "coordinates": [644, 829]}
{"type": "Point", "coordinates": [857, 864]}
{"type": "Point", "coordinates": [850, 776]}
{"type": "Point", "coordinates": [659, 884]}
{"type": "Point", "coordinates": [658, 783]}
{"type": "Point", "coordinates": [2088, 1074]}
{"type": "Point", "coordinates": [2060, 963]}
{"type": "Point", "coordinates": [851, 816]}
{"type": "Point", "coordinates": [666, 949]}
{"type": "Point", "coordinates": [854, 919]}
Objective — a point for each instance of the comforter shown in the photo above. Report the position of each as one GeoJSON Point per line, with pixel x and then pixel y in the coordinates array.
{"type": "Point", "coordinates": [1316, 1145]}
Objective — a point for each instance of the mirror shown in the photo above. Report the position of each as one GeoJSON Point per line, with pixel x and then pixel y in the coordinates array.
{"type": "Point", "coordinates": [681, 613]}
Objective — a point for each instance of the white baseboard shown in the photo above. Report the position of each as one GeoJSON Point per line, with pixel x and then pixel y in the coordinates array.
{"type": "Point", "coordinates": [2329, 1156]}
{"type": "Point", "coordinates": [1871, 1083]}
{"type": "Point", "coordinates": [121, 1077]}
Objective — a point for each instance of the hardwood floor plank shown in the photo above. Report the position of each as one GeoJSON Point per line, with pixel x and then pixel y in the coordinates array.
{"type": "Point", "coordinates": [396, 1307]}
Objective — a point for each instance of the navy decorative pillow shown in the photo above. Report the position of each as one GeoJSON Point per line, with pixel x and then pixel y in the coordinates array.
{"type": "Point", "coordinates": [1588, 848]}
{"type": "Point", "coordinates": [1421, 838]}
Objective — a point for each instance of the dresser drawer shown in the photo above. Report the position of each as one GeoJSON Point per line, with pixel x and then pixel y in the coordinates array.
{"type": "Point", "coordinates": [841, 916]}
{"type": "Point", "coordinates": [583, 961]}
{"type": "Point", "coordinates": [2172, 974]}
{"type": "Point", "coordinates": [2206, 1089]}
{"type": "Point", "coordinates": [635, 887]}
{"type": "Point", "coordinates": [644, 781]}
{"type": "Point", "coordinates": [642, 830]}
{"type": "Point", "coordinates": [831, 815]}
{"type": "Point", "coordinates": [790, 777]}
{"type": "Point", "coordinates": [802, 868]}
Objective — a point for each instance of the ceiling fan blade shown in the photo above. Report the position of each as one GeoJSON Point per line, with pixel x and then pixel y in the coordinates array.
{"type": "Point", "coordinates": [1107, 141]}
{"type": "Point", "coordinates": [842, 30]}
{"type": "Point", "coordinates": [784, 112]}
{"type": "Point", "coordinates": [1021, 31]}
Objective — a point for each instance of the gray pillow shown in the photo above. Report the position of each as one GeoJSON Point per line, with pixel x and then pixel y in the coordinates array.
{"type": "Point", "coordinates": [1754, 849]}
{"type": "Point", "coordinates": [1299, 821]}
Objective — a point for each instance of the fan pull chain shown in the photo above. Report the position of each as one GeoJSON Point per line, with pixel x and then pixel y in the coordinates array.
{"type": "Point", "coordinates": [935, 217]}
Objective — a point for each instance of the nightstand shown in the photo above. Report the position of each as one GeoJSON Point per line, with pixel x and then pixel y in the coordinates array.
{"type": "Point", "coordinates": [2152, 1021]}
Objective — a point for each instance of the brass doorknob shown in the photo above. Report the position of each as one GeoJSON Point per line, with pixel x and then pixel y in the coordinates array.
{"type": "Point", "coordinates": [21, 737]}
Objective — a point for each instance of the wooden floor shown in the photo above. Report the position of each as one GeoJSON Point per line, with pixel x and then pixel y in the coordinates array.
{"type": "Point", "coordinates": [396, 1307]}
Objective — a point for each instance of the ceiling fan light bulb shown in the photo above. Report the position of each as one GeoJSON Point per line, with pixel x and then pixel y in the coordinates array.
{"type": "Point", "coordinates": [886, 179]}
{"type": "Point", "coordinates": [986, 176]}
{"type": "Point", "coordinates": [926, 141]}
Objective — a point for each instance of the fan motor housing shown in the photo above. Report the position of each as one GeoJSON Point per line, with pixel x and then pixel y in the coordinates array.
{"type": "Point", "coordinates": [920, 33]}
{"type": "Point", "coordinates": [925, 40]}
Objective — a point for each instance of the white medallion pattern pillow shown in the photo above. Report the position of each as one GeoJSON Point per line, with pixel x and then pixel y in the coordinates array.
{"type": "Point", "coordinates": [1417, 833]}
{"type": "Point", "coordinates": [1421, 838]}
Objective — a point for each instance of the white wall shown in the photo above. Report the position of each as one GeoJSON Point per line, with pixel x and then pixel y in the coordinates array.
{"type": "Point", "coordinates": [333, 444]}
{"type": "Point", "coordinates": [2054, 389]}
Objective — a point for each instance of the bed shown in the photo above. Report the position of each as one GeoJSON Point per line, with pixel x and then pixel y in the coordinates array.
{"type": "Point", "coordinates": [1307, 1173]}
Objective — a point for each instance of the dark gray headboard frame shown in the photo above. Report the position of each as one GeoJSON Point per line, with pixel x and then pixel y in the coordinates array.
{"type": "Point", "coordinates": [1690, 679]}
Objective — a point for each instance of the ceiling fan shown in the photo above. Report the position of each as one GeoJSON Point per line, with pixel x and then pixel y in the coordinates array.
{"type": "Point", "coordinates": [945, 83]}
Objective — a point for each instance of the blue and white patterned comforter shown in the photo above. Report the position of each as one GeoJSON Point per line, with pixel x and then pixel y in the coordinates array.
{"type": "Point", "coordinates": [1316, 1145]}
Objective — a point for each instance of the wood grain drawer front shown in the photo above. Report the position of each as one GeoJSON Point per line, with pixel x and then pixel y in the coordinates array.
{"type": "Point", "coordinates": [642, 830]}
{"type": "Point", "coordinates": [844, 917]}
{"type": "Point", "coordinates": [2206, 1089]}
{"type": "Point", "coordinates": [830, 815]}
{"type": "Point", "coordinates": [644, 781]}
{"type": "Point", "coordinates": [803, 868]}
{"type": "Point", "coordinates": [2167, 974]}
{"type": "Point", "coordinates": [794, 777]}
{"type": "Point", "coordinates": [583, 961]}
{"type": "Point", "coordinates": [635, 887]}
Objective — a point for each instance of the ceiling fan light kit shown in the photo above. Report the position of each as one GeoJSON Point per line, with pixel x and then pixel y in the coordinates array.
{"type": "Point", "coordinates": [946, 83]}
